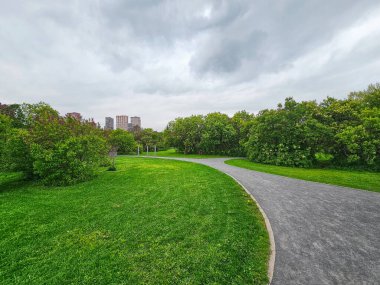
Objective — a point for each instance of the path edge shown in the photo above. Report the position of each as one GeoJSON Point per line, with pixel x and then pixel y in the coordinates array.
{"type": "Point", "coordinates": [268, 226]}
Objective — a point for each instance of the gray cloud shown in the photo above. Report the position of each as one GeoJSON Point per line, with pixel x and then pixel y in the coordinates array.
{"type": "Point", "coordinates": [164, 59]}
{"type": "Point", "coordinates": [226, 53]}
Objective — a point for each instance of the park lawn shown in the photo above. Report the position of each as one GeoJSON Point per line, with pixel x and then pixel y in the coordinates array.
{"type": "Point", "coordinates": [349, 178]}
{"type": "Point", "coordinates": [152, 221]}
{"type": "Point", "coordinates": [173, 153]}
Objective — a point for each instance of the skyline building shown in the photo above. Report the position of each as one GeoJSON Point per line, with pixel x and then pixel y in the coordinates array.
{"type": "Point", "coordinates": [122, 122]}
{"type": "Point", "coordinates": [109, 125]}
{"type": "Point", "coordinates": [136, 121]}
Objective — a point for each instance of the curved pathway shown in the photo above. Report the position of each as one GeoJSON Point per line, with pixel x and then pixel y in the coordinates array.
{"type": "Point", "coordinates": [324, 234]}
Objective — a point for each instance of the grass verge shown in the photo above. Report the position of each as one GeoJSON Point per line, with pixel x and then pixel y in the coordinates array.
{"type": "Point", "coordinates": [150, 222]}
{"type": "Point", "coordinates": [173, 153]}
{"type": "Point", "coordinates": [355, 179]}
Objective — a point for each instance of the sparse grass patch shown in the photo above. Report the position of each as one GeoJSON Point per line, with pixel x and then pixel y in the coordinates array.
{"type": "Point", "coordinates": [150, 222]}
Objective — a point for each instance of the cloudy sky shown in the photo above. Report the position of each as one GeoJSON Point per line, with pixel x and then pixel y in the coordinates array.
{"type": "Point", "coordinates": [164, 59]}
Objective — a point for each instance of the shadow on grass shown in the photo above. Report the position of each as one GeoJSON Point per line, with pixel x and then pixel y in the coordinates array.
{"type": "Point", "coordinates": [10, 181]}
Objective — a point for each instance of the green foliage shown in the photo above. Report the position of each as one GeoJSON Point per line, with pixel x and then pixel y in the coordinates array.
{"type": "Point", "coordinates": [290, 135]}
{"type": "Point", "coordinates": [70, 161]}
{"type": "Point", "coordinates": [149, 137]}
{"type": "Point", "coordinates": [16, 153]}
{"type": "Point", "coordinates": [242, 122]}
{"type": "Point", "coordinates": [122, 141]}
{"type": "Point", "coordinates": [219, 134]}
{"type": "Point", "coordinates": [215, 133]}
{"type": "Point", "coordinates": [56, 150]}
{"type": "Point", "coordinates": [15, 112]}
{"type": "Point", "coordinates": [185, 133]}
{"type": "Point", "coordinates": [5, 127]}
{"type": "Point", "coordinates": [347, 131]}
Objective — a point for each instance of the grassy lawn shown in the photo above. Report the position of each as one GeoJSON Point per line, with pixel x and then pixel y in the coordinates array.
{"type": "Point", "coordinates": [355, 179]}
{"type": "Point", "coordinates": [151, 222]}
{"type": "Point", "coordinates": [173, 153]}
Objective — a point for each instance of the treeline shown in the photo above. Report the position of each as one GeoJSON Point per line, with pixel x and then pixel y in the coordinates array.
{"type": "Point", "coordinates": [59, 150]}
{"type": "Point", "coordinates": [54, 149]}
{"type": "Point", "coordinates": [215, 133]}
{"type": "Point", "coordinates": [344, 133]}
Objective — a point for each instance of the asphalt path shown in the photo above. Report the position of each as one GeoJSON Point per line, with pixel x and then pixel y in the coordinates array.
{"type": "Point", "coordinates": [323, 234]}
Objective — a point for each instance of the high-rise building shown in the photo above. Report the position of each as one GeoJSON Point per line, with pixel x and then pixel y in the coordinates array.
{"type": "Point", "coordinates": [74, 115]}
{"type": "Point", "coordinates": [109, 123]}
{"type": "Point", "coordinates": [122, 122]}
{"type": "Point", "coordinates": [136, 121]}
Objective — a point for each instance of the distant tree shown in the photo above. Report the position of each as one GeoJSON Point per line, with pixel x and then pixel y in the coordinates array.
{"type": "Point", "coordinates": [185, 133]}
{"type": "Point", "coordinates": [137, 133]}
{"type": "Point", "coordinates": [242, 122]}
{"type": "Point", "coordinates": [123, 141]}
{"type": "Point", "coordinates": [219, 134]}
{"type": "Point", "coordinates": [14, 111]}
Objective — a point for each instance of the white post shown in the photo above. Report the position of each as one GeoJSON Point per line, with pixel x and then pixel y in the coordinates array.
{"type": "Point", "coordinates": [147, 150]}
{"type": "Point", "coordinates": [155, 150]}
{"type": "Point", "coordinates": [138, 150]}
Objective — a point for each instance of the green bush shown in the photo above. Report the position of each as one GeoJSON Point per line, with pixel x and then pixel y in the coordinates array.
{"type": "Point", "coordinates": [74, 160]}
{"type": "Point", "coordinates": [16, 154]}
{"type": "Point", "coordinates": [53, 149]}
{"type": "Point", "coordinates": [5, 127]}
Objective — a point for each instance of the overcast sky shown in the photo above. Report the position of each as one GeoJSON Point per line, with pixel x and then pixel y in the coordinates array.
{"type": "Point", "coordinates": [165, 59]}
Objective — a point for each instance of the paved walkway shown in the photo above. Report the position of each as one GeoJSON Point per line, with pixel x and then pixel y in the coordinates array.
{"type": "Point", "coordinates": [323, 234]}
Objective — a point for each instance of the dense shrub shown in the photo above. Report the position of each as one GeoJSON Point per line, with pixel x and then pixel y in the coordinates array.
{"type": "Point", "coordinates": [17, 152]}
{"type": "Point", "coordinates": [53, 149]}
{"type": "Point", "coordinates": [73, 160]}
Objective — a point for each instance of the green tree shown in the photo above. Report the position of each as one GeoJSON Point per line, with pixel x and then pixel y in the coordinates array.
{"type": "Point", "coordinates": [219, 134]}
{"type": "Point", "coordinates": [242, 122]}
{"type": "Point", "coordinates": [123, 141]}
{"type": "Point", "coordinates": [292, 135]}
{"type": "Point", "coordinates": [186, 133]}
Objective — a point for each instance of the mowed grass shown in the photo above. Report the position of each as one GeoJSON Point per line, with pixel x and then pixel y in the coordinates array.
{"type": "Point", "coordinates": [173, 153]}
{"type": "Point", "coordinates": [150, 222]}
{"type": "Point", "coordinates": [355, 179]}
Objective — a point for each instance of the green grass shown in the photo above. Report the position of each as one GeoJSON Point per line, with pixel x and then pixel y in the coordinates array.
{"type": "Point", "coordinates": [150, 222]}
{"type": "Point", "coordinates": [349, 178]}
{"type": "Point", "coordinates": [173, 153]}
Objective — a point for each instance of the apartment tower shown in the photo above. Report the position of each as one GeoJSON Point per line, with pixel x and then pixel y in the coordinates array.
{"type": "Point", "coordinates": [109, 123]}
{"type": "Point", "coordinates": [122, 122]}
{"type": "Point", "coordinates": [136, 121]}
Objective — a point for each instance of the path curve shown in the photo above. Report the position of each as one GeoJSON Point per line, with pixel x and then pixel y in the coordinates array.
{"type": "Point", "coordinates": [324, 234]}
